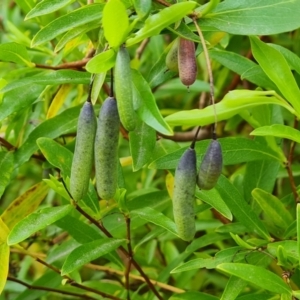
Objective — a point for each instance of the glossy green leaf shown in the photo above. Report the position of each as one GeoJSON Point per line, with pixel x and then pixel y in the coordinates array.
{"type": "Point", "coordinates": [278, 130]}
{"type": "Point", "coordinates": [37, 221]}
{"type": "Point", "coordinates": [142, 142]}
{"type": "Point", "coordinates": [46, 7]}
{"type": "Point", "coordinates": [4, 254]}
{"type": "Point", "coordinates": [58, 155]}
{"type": "Point", "coordinates": [6, 167]}
{"type": "Point", "coordinates": [298, 230]}
{"type": "Point", "coordinates": [277, 69]}
{"type": "Point", "coordinates": [239, 208]}
{"type": "Point", "coordinates": [88, 252]}
{"type": "Point", "coordinates": [24, 204]}
{"type": "Point", "coordinates": [115, 22]}
{"type": "Point", "coordinates": [256, 275]}
{"type": "Point", "coordinates": [15, 53]}
{"type": "Point", "coordinates": [76, 18]}
{"type": "Point", "coordinates": [102, 62]}
{"type": "Point", "coordinates": [151, 215]}
{"type": "Point", "coordinates": [142, 7]}
{"type": "Point", "coordinates": [290, 247]}
{"type": "Point", "coordinates": [253, 18]}
{"type": "Point", "coordinates": [213, 198]}
{"type": "Point", "coordinates": [65, 122]}
{"type": "Point", "coordinates": [155, 23]}
{"type": "Point", "coordinates": [233, 103]}
{"type": "Point", "coordinates": [49, 78]}
{"type": "Point", "coordinates": [234, 150]}
{"type": "Point", "coordinates": [273, 208]}
{"type": "Point", "coordinates": [234, 287]}
{"type": "Point", "coordinates": [192, 295]}
{"type": "Point", "coordinates": [146, 105]}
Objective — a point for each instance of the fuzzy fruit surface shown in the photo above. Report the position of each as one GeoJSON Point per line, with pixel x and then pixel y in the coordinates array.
{"type": "Point", "coordinates": [123, 87]}
{"type": "Point", "coordinates": [106, 149]}
{"type": "Point", "coordinates": [184, 195]}
{"type": "Point", "coordinates": [187, 61]}
{"type": "Point", "coordinates": [84, 152]}
{"type": "Point", "coordinates": [211, 166]}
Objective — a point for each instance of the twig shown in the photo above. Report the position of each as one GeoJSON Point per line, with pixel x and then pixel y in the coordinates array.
{"type": "Point", "coordinates": [164, 3]}
{"type": "Point", "coordinates": [43, 288]}
{"type": "Point", "coordinates": [130, 256]}
{"type": "Point", "coordinates": [70, 65]}
{"type": "Point", "coordinates": [187, 136]}
{"type": "Point", "coordinates": [7, 144]}
{"type": "Point", "coordinates": [139, 51]}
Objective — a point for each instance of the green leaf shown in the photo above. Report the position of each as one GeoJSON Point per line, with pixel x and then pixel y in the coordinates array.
{"type": "Point", "coordinates": [115, 22]}
{"type": "Point", "coordinates": [277, 69]}
{"type": "Point", "coordinates": [15, 53]}
{"type": "Point", "coordinates": [155, 23]}
{"type": "Point", "coordinates": [262, 17]}
{"type": "Point", "coordinates": [273, 208]}
{"type": "Point", "coordinates": [239, 208]}
{"type": "Point", "coordinates": [234, 286]}
{"type": "Point", "coordinates": [142, 143]}
{"type": "Point", "coordinates": [63, 123]}
{"type": "Point", "coordinates": [6, 167]}
{"type": "Point", "coordinates": [102, 62]}
{"type": "Point", "coordinates": [37, 221]}
{"type": "Point", "coordinates": [151, 215]}
{"type": "Point", "coordinates": [58, 155]}
{"type": "Point", "coordinates": [191, 295]}
{"type": "Point", "coordinates": [234, 150]}
{"type": "Point", "coordinates": [146, 105]}
{"type": "Point", "coordinates": [256, 275]}
{"type": "Point", "coordinates": [213, 198]}
{"type": "Point", "coordinates": [278, 130]}
{"type": "Point", "coordinates": [233, 103]}
{"type": "Point", "coordinates": [76, 18]}
{"type": "Point", "coordinates": [142, 7]}
{"type": "Point", "coordinates": [4, 254]}
{"type": "Point", "coordinates": [88, 252]}
{"type": "Point", "coordinates": [49, 78]}
{"type": "Point", "coordinates": [290, 247]}
{"type": "Point", "coordinates": [46, 7]}
{"type": "Point", "coordinates": [298, 230]}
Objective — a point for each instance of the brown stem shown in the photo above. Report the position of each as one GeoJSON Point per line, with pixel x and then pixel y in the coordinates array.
{"type": "Point", "coordinates": [187, 136]}
{"type": "Point", "coordinates": [70, 65]}
{"type": "Point", "coordinates": [139, 51]}
{"type": "Point", "coordinates": [42, 288]}
{"type": "Point", "coordinates": [6, 144]}
{"type": "Point", "coordinates": [130, 256]}
{"type": "Point", "coordinates": [164, 3]}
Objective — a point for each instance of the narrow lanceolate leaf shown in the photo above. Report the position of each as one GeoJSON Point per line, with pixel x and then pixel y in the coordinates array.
{"type": "Point", "coordinates": [102, 62]}
{"type": "Point", "coordinates": [37, 221]}
{"type": "Point", "coordinates": [81, 16]}
{"type": "Point", "coordinates": [46, 7]}
{"type": "Point", "coordinates": [4, 254]}
{"type": "Point", "coordinates": [262, 17]}
{"type": "Point", "coordinates": [6, 167]}
{"type": "Point", "coordinates": [24, 204]}
{"type": "Point", "coordinates": [155, 23]}
{"type": "Point", "coordinates": [277, 69]}
{"type": "Point", "coordinates": [15, 53]}
{"type": "Point", "coordinates": [151, 215]}
{"type": "Point", "coordinates": [258, 276]}
{"type": "Point", "coordinates": [88, 252]}
{"type": "Point", "coordinates": [240, 209]}
{"type": "Point", "coordinates": [115, 22]}
{"type": "Point", "coordinates": [278, 130]}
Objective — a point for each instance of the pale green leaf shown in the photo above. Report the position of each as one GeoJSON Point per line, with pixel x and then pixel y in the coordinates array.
{"type": "Point", "coordinates": [102, 62]}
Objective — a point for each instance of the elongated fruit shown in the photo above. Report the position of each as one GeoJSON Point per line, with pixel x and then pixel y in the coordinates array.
{"type": "Point", "coordinates": [172, 57]}
{"type": "Point", "coordinates": [187, 61]}
{"type": "Point", "coordinates": [211, 166]}
{"type": "Point", "coordinates": [106, 149]}
{"type": "Point", "coordinates": [84, 152]}
{"type": "Point", "coordinates": [184, 195]}
{"type": "Point", "coordinates": [123, 87]}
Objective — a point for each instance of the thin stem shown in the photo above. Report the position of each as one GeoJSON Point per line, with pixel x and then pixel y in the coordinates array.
{"type": "Point", "coordinates": [130, 256]}
{"type": "Point", "coordinates": [70, 65]}
{"type": "Point", "coordinates": [90, 88]}
{"type": "Point", "coordinates": [139, 51]}
{"type": "Point", "coordinates": [209, 70]}
{"type": "Point", "coordinates": [195, 138]}
{"type": "Point", "coordinates": [111, 91]}
{"type": "Point", "coordinates": [6, 144]}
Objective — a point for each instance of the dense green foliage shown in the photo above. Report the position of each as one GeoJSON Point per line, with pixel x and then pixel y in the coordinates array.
{"type": "Point", "coordinates": [246, 243]}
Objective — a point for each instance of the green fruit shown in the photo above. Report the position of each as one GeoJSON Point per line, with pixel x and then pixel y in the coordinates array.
{"type": "Point", "coordinates": [211, 166]}
{"type": "Point", "coordinates": [106, 149]}
{"type": "Point", "coordinates": [172, 57]}
{"type": "Point", "coordinates": [123, 86]}
{"type": "Point", "coordinates": [187, 64]}
{"type": "Point", "coordinates": [184, 195]}
{"type": "Point", "coordinates": [84, 152]}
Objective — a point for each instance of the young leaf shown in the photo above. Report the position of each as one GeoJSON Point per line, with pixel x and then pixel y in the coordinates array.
{"type": "Point", "coordinates": [76, 18]}
{"type": "Point", "coordinates": [37, 221]}
{"type": "Point", "coordinates": [256, 275]}
{"type": "Point", "coordinates": [234, 286]}
{"type": "Point", "coordinates": [239, 208]}
{"type": "Point", "coordinates": [46, 7]}
{"type": "Point", "coordinates": [6, 167]}
{"type": "Point", "coordinates": [88, 252]}
{"type": "Point", "coordinates": [142, 142]}
{"type": "Point", "coordinates": [277, 69]}
{"type": "Point", "coordinates": [102, 62]}
{"type": "Point", "coordinates": [115, 22]}
{"type": "Point", "coordinates": [25, 204]}
{"type": "Point", "coordinates": [253, 18]}
{"type": "Point", "coordinates": [155, 23]}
